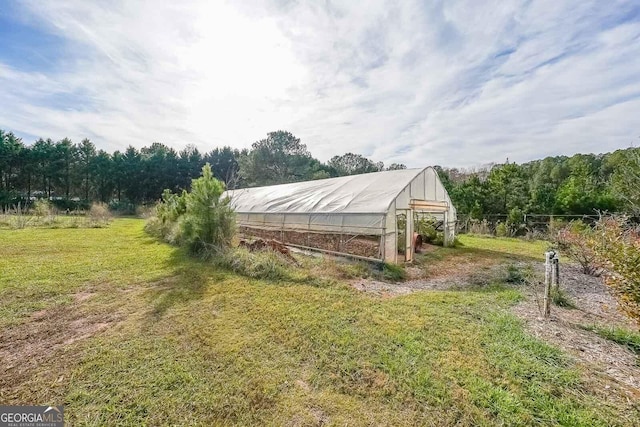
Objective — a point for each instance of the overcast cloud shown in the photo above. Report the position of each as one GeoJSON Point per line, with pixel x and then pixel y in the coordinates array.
{"type": "Point", "coordinates": [455, 83]}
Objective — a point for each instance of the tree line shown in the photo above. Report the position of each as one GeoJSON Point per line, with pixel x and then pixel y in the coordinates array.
{"type": "Point", "coordinates": [76, 174]}
{"type": "Point", "coordinates": [582, 184]}
{"type": "Point", "coordinates": [72, 174]}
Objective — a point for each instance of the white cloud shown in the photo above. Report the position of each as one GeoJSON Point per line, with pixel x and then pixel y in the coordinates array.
{"type": "Point", "coordinates": [453, 83]}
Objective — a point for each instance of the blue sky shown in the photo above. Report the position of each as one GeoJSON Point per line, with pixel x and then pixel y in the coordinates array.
{"type": "Point", "coordinates": [457, 83]}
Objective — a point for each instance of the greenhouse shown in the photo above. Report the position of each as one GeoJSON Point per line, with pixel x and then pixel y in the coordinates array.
{"type": "Point", "coordinates": [370, 216]}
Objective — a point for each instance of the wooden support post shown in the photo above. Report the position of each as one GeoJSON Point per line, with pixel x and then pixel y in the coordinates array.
{"type": "Point", "coordinates": [408, 231]}
{"type": "Point", "coordinates": [548, 273]}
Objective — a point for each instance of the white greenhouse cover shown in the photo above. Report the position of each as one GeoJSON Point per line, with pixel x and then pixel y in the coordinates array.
{"type": "Point", "coordinates": [366, 193]}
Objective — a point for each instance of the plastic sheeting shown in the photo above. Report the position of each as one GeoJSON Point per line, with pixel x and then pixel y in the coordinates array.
{"type": "Point", "coordinates": [366, 193]}
{"type": "Point", "coordinates": [366, 204]}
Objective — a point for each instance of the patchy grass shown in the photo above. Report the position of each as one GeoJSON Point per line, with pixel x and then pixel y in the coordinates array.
{"type": "Point", "coordinates": [191, 343]}
{"type": "Point", "coordinates": [40, 267]}
{"type": "Point", "coordinates": [478, 253]}
{"type": "Point", "coordinates": [627, 338]}
{"type": "Point", "coordinates": [561, 299]}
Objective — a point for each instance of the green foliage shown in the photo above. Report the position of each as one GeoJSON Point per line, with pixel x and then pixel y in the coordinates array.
{"type": "Point", "coordinates": [502, 230]}
{"type": "Point", "coordinates": [279, 158]}
{"type": "Point", "coordinates": [393, 272]}
{"type": "Point", "coordinates": [516, 276]}
{"type": "Point", "coordinates": [625, 178]}
{"type": "Point", "coordinates": [561, 299]}
{"type": "Point", "coordinates": [581, 184]}
{"type": "Point", "coordinates": [627, 338]}
{"type": "Point", "coordinates": [353, 164]}
{"type": "Point", "coordinates": [199, 220]}
{"type": "Point", "coordinates": [515, 222]}
{"type": "Point", "coordinates": [74, 175]}
{"type": "Point", "coordinates": [426, 227]}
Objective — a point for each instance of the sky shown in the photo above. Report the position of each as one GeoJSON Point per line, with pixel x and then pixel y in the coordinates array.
{"type": "Point", "coordinates": [453, 83]}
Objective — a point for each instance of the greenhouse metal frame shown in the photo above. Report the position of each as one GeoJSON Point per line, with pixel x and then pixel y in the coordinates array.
{"type": "Point", "coordinates": [354, 215]}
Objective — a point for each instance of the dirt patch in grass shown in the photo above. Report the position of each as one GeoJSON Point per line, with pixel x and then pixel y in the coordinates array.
{"type": "Point", "coordinates": [27, 346]}
{"type": "Point", "coordinates": [448, 275]}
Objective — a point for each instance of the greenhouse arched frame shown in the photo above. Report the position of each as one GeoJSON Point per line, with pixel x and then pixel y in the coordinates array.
{"type": "Point", "coordinates": [358, 215]}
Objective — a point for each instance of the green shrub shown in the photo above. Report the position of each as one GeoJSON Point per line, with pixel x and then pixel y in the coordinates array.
{"type": "Point", "coordinates": [502, 230]}
{"type": "Point", "coordinates": [515, 275]}
{"type": "Point", "coordinates": [208, 223]}
{"type": "Point", "coordinates": [515, 224]}
{"type": "Point", "coordinates": [199, 220]}
{"type": "Point", "coordinates": [393, 272]}
{"type": "Point", "coordinates": [426, 227]}
{"type": "Point", "coordinates": [561, 299]}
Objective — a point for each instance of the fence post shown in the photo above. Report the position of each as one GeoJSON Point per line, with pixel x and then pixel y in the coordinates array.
{"type": "Point", "coordinates": [548, 272]}
{"type": "Point", "coordinates": [555, 273]}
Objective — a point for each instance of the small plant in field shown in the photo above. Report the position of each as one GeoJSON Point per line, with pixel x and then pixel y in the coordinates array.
{"type": "Point", "coordinates": [18, 218]}
{"type": "Point", "coordinates": [561, 299]}
{"type": "Point", "coordinates": [393, 272]}
{"type": "Point", "coordinates": [516, 275]}
{"type": "Point", "coordinates": [42, 209]}
{"type": "Point", "coordinates": [575, 240]}
{"type": "Point", "coordinates": [99, 215]}
{"type": "Point", "coordinates": [502, 230]}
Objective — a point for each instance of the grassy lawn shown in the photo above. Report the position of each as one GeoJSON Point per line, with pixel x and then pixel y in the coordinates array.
{"type": "Point", "coordinates": [478, 253]}
{"type": "Point", "coordinates": [136, 333]}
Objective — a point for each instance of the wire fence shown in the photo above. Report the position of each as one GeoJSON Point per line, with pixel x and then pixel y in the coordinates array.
{"type": "Point", "coordinates": [529, 223]}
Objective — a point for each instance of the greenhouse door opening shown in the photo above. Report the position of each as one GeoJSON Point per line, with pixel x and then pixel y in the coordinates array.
{"type": "Point", "coordinates": [405, 227]}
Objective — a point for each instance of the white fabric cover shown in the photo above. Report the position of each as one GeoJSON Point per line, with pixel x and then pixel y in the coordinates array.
{"type": "Point", "coordinates": [364, 204]}
{"type": "Point", "coordinates": [366, 193]}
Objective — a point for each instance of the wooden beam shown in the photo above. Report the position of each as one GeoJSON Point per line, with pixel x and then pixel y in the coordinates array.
{"type": "Point", "coordinates": [429, 205]}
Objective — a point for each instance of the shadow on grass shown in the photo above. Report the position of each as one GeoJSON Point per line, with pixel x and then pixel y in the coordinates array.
{"type": "Point", "coordinates": [188, 282]}
{"type": "Point", "coordinates": [191, 276]}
